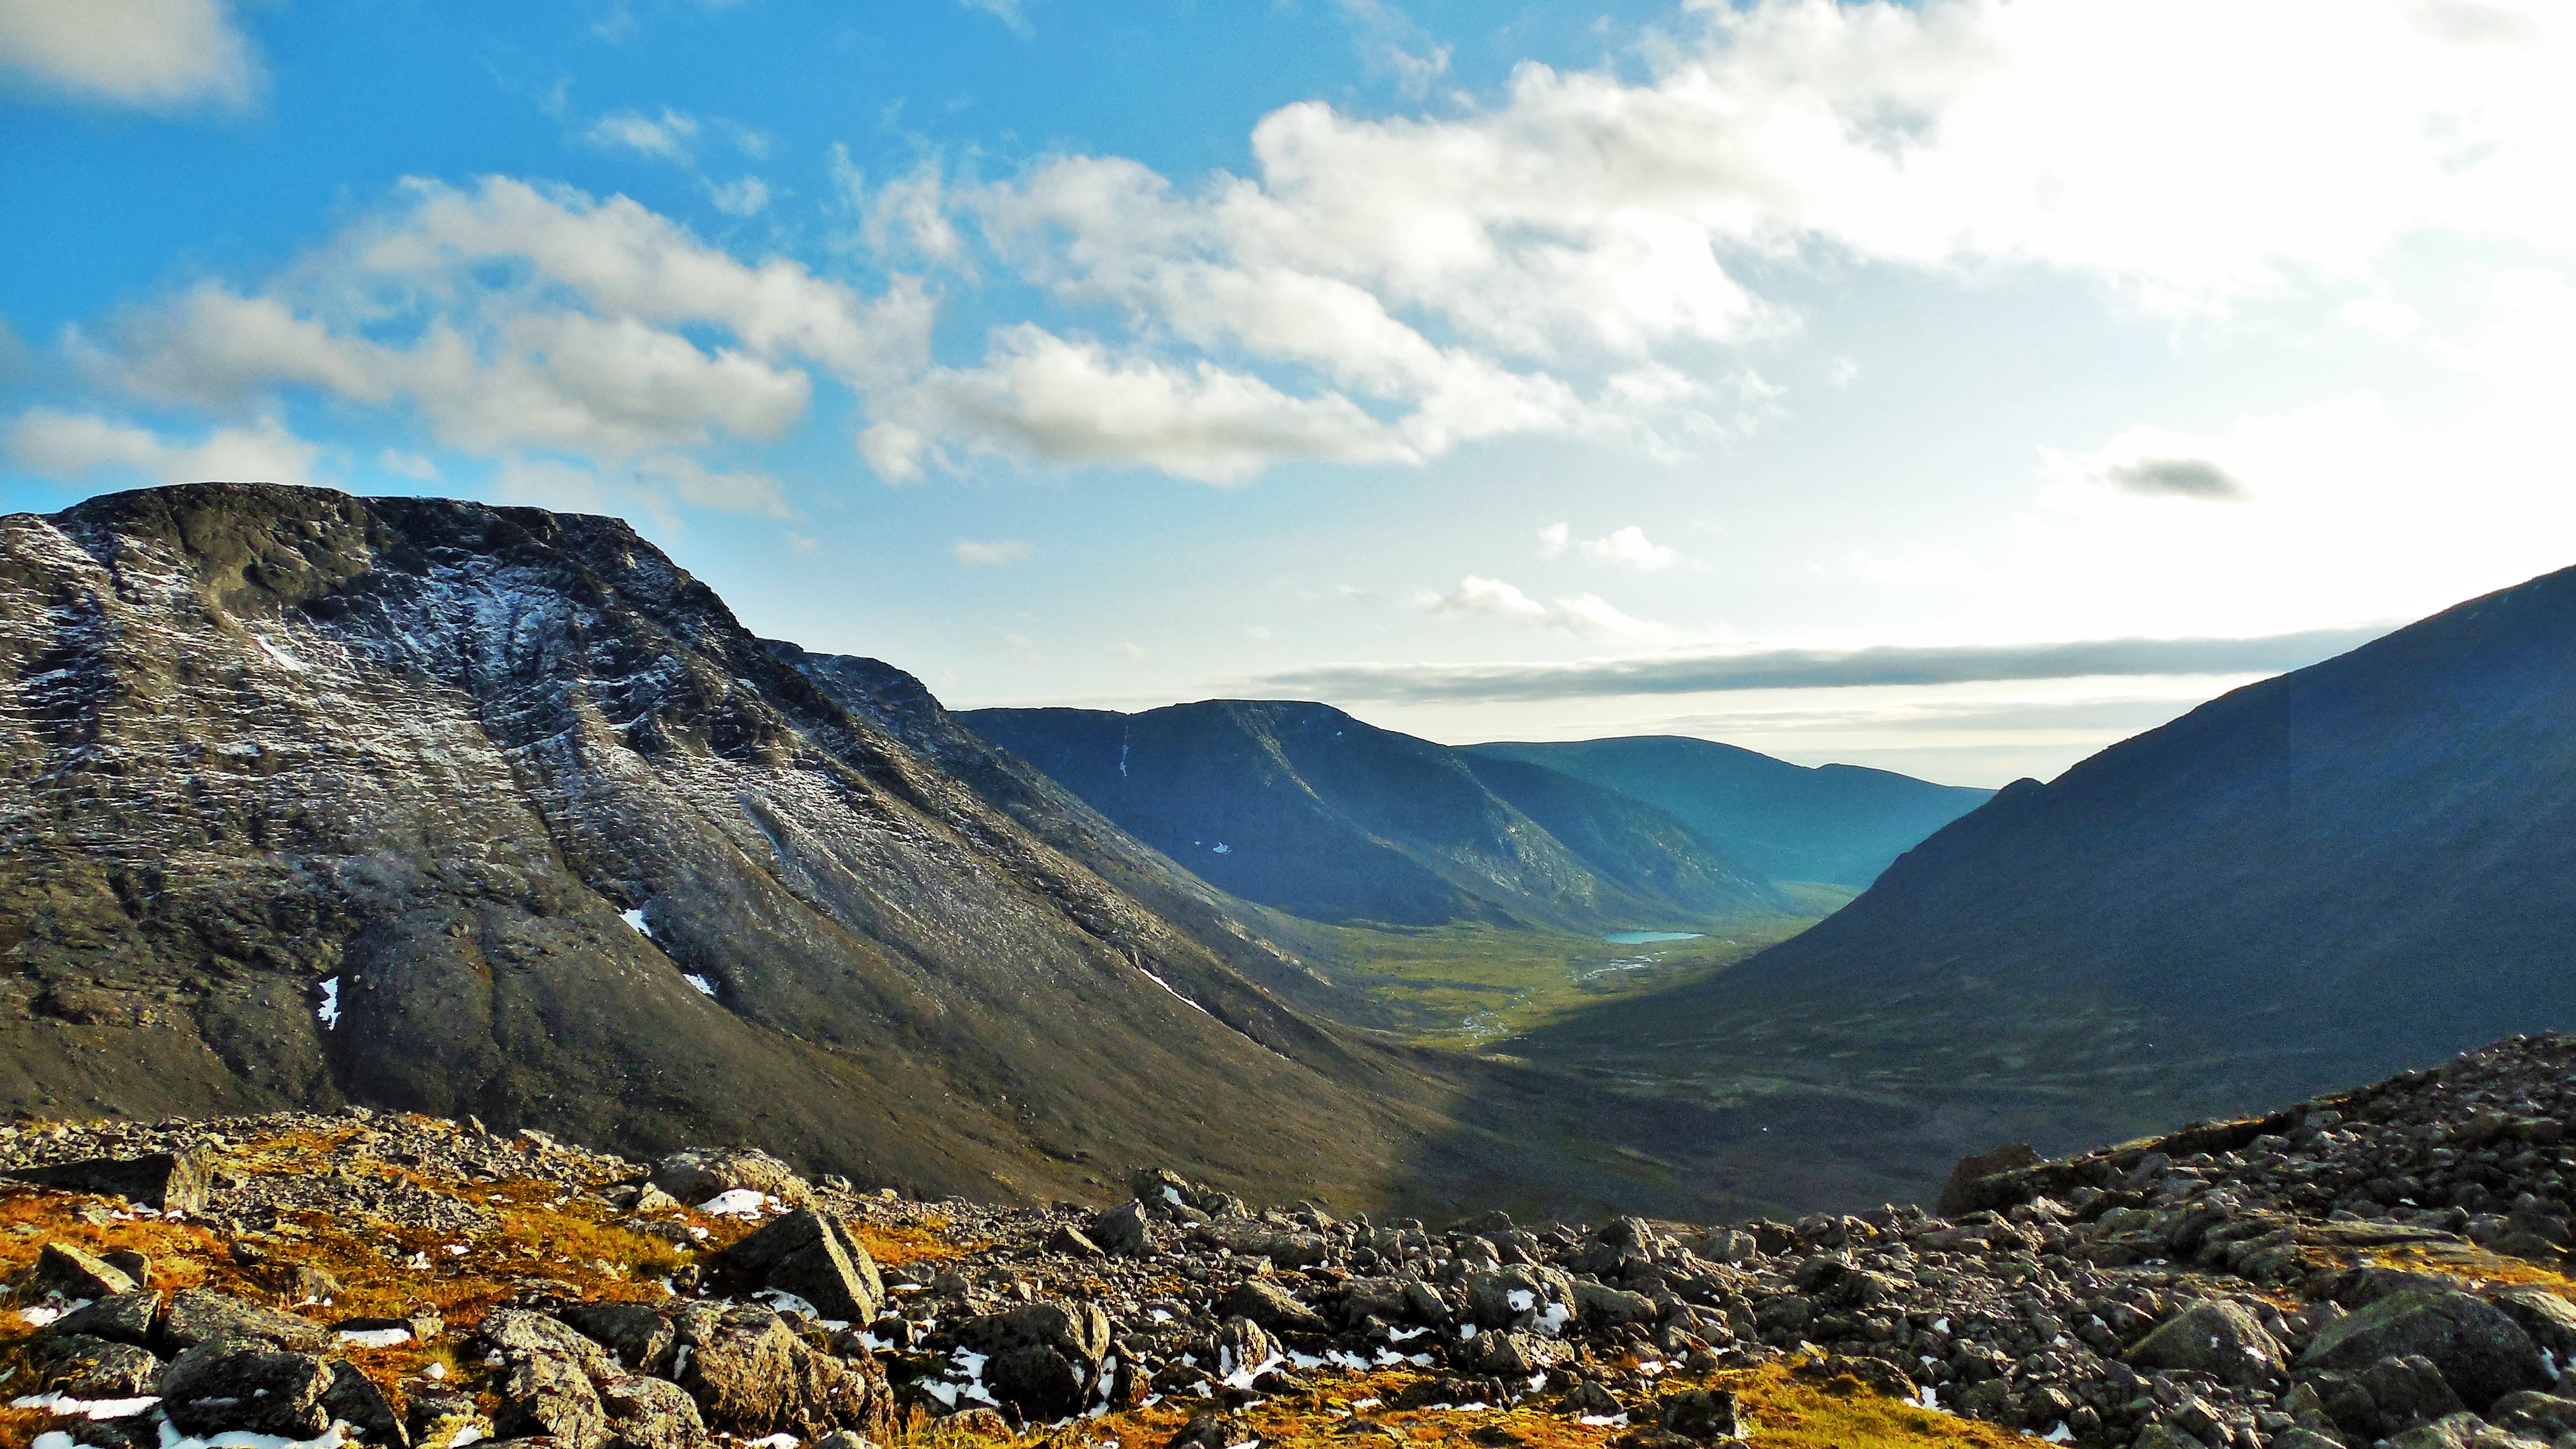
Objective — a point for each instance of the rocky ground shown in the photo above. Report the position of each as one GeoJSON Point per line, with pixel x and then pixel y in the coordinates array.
{"type": "Point", "coordinates": [2385, 1264]}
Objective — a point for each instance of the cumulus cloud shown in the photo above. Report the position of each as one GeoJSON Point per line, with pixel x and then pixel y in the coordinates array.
{"type": "Point", "coordinates": [1552, 540]}
{"type": "Point", "coordinates": [745, 196]}
{"type": "Point", "coordinates": [1579, 614]}
{"type": "Point", "coordinates": [158, 55]}
{"type": "Point", "coordinates": [1630, 548]}
{"type": "Point", "coordinates": [515, 317]}
{"type": "Point", "coordinates": [989, 555]}
{"type": "Point", "coordinates": [69, 446]}
{"type": "Point", "coordinates": [2195, 478]}
{"type": "Point", "coordinates": [1813, 668]}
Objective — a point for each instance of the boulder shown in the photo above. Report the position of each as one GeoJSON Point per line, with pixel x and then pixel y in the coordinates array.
{"type": "Point", "coordinates": [640, 1338]}
{"type": "Point", "coordinates": [435, 1417]}
{"type": "Point", "coordinates": [2541, 1416]}
{"type": "Point", "coordinates": [226, 1384]}
{"type": "Point", "coordinates": [813, 1256]}
{"type": "Point", "coordinates": [548, 1385]}
{"type": "Point", "coordinates": [650, 1413]}
{"type": "Point", "coordinates": [1517, 1296]}
{"type": "Point", "coordinates": [1274, 1308]}
{"type": "Point", "coordinates": [1124, 1230]}
{"type": "Point", "coordinates": [1509, 1355]}
{"type": "Point", "coordinates": [2408, 1391]}
{"type": "Point", "coordinates": [2481, 1353]}
{"type": "Point", "coordinates": [354, 1399]}
{"type": "Point", "coordinates": [119, 1318]}
{"type": "Point", "coordinates": [1241, 1345]}
{"type": "Point", "coordinates": [1038, 1380]}
{"type": "Point", "coordinates": [1703, 1414]}
{"type": "Point", "coordinates": [695, 1175]}
{"type": "Point", "coordinates": [1069, 1240]}
{"type": "Point", "coordinates": [1600, 1301]}
{"type": "Point", "coordinates": [96, 1368]}
{"type": "Point", "coordinates": [2220, 1339]}
{"type": "Point", "coordinates": [72, 1272]}
{"type": "Point", "coordinates": [2462, 1430]}
{"type": "Point", "coordinates": [752, 1376]}
{"type": "Point", "coordinates": [201, 1315]}
{"type": "Point", "coordinates": [2548, 1318]}
{"type": "Point", "coordinates": [163, 1181]}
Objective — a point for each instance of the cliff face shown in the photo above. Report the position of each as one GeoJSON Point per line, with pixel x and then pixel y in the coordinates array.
{"type": "Point", "coordinates": [307, 798]}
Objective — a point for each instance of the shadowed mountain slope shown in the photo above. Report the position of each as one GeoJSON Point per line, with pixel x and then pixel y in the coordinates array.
{"type": "Point", "coordinates": [307, 798]}
{"type": "Point", "coordinates": [1302, 808]}
{"type": "Point", "coordinates": [1833, 824]}
{"type": "Point", "coordinates": [2358, 867]}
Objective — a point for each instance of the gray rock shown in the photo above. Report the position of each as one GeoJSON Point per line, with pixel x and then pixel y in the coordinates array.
{"type": "Point", "coordinates": [2295, 1437]}
{"type": "Point", "coordinates": [1125, 1230]}
{"type": "Point", "coordinates": [96, 1368]}
{"type": "Point", "coordinates": [1243, 1344]}
{"type": "Point", "coordinates": [71, 1271]}
{"type": "Point", "coordinates": [226, 1384]}
{"type": "Point", "coordinates": [1510, 1355]}
{"type": "Point", "coordinates": [2548, 1318]}
{"type": "Point", "coordinates": [161, 1181]}
{"type": "Point", "coordinates": [548, 1395]}
{"type": "Point", "coordinates": [201, 1315]}
{"type": "Point", "coordinates": [1069, 1239]}
{"type": "Point", "coordinates": [2165, 1436]}
{"type": "Point", "coordinates": [2409, 1391]}
{"type": "Point", "coordinates": [651, 1413]}
{"type": "Point", "coordinates": [1274, 1308]}
{"type": "Point", "coordinates": [354, 1399]}
{"type": "Point", "coordinates": [120, 1318]}
{"type": "Point", "coordinates": [435, 1416]}
{"type": "Point", "coordinates": [2462, 1430]}
{"type": "Point", "coordinates": [1078, 1331]}
{"type": "Point", "coordinates": [813, 1256]}
{"type": "Point", "coordinates": [1703, 1414]}
{"type": "Point", "coordinates": [753, 1377]}
{"type": "Point", "coordinates": [1038, 1380]}
{"type": "Point", "coordinates": [639, 1338]}
{"type": "Point", "coordinates": [1612, 1305]}
{"type": "Point", "coordinates": [694, 1175]}
{"type": "Point", "coordinates": [2542, 1416]}
{"type": "Point", "coordinates": [2220, 1339]}
{"type": "Point", "coordinates": [2481, 1352]}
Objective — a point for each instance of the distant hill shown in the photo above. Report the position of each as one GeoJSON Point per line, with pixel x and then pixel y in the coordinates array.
{"type": "Point", "coordinates": [1302, 808]}
{"type": "Point", "coordinates": [2361, 866]}
{"type": "Point", "coordinates": [1834, 824]}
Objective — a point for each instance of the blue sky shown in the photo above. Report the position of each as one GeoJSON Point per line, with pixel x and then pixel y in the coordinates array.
{"type": "Point", "coordinates": [1846, 381]}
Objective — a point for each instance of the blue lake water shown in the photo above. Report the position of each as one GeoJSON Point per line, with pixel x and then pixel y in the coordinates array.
{"type": "Point", "coordinates": [1639, 938]}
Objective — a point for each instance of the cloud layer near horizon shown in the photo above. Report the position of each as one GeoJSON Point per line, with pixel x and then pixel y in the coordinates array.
{"type": "Point", "coordinates": [1812, 669]}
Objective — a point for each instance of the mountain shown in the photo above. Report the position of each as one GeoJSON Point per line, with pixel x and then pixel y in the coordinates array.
{"type": "Point", "coordinates": [1830, 824]}
{"type": "Point", "coordinates": [307, 798]}
{"type": "Point", "coordinates": [2347, 870]}
{"type": "Point", "coordinates": [1304, 809]}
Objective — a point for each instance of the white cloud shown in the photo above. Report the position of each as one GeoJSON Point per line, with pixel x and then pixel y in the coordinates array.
{"type": "Point", "coordinates": [988, 555]}
{"type": "Point", "coordinates": [513, 317]}
{"type": "Point", "coordinates": [1044, 399]}
{"type": "Point", "coordinates": [2194, 478]}
{"type": "Point", "coordinates": [1009, 12]}
{"type": "Point", "coordinates": [1579, 614]}
{"type": "Point", "coordinates": [151, 54]}
{"type": "Point", "coordinates": [743, 197]}
{"type": "Point", "coordinates": [1630, 548]}
{"type": "Point", "coordinates": [742, 491]}
{"type": "Point", "coordinates": [1552, 539]}
{"type": "Point", "coordinates": [406, 465]}
{"type": "Point", "coordinates": [668, 136]}
{"type": "Point", "coordinates": [68, 446]}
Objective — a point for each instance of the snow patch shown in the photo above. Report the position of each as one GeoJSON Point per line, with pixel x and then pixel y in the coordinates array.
{"type": "Point", "coordinates": [740, 1202]}
{"type": "Point", "coordinates": [701, 985]}
{"type": "Point", "coordinates": [95, 1410]}
{"type": "Point", "coordinates": [375, 1337]}
{"type": "Point", "coordinates": [329, 1010]}
{"type": "Point", "coordinates": [2060, 1435]}
{"type": "Point", "coordinates": [635, 918]}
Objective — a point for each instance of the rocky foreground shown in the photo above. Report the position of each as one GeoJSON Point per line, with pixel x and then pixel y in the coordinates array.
{"type": "Point", "coordinates": [2385, 1264]}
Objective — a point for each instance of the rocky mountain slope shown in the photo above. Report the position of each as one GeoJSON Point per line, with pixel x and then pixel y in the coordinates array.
{"type": "Point", "coordinates": [307, 799]}
{"type": "Point", "coordinates": [2314, 880]}
{"type": "Point", "coordinates": [2385, 1265]}
{"type": "Point", "coordinates": [1831, 824]}
{"type": "Point", "coordinates": [1302, 808]}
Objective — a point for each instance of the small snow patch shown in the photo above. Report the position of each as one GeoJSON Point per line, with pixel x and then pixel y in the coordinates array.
{"type": "Point", "coordinates": [96, 1410]}
{"type": "Point", "coordinates": [740, 1202]}
{"type": "Point", "coordinates": [2060, 1435]}
{"type": "Point", "coordinates": [375, 1337]}
{"type": "Point", "coordinates": [329, 1010]}
{"type": "Point", "coordinates": [700, 984]}
{"type": "Point", "coordinates": [39, 1317]}
{"type": "Point", "coordinates": [635, 918]}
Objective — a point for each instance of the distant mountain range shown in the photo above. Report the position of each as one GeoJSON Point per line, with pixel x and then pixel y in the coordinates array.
{"type": "Point", "coordinates": [1830, 824]}
{"type": "Point", "coordinates": [2310, 882]}
{"type": "Point", "coordinates": [1302, 808]}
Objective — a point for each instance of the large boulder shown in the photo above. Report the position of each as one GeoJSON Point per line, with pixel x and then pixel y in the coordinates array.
{"type": "Point", "coordinates": [119, 1318]}
{"type": "Point", "coordinates": [698, 1174]}
{"type": "Point", "coordinates": [2220, 1339]}
{"type": "Point", "coordinates": [813, 1256]}
{"type": "Point", "coordinates": [1520, 1295]}
{"type": "Point", "coordinates": [1124, 1230]}
{"type": "Point", "coordinates": [202, 1315]}
{"type": "Point", "coordinates": [1274, 1308]}
{"type": "Point", "coordinates": [651, 1413]}
{"type": "Point", "coordinates": [640, 1338]}
{"type": "Point", "coordinates": [96, 1368]}
{"type": "Point", "coordinates": [752, 1376]}
{"type": "Point", "coordinates": [224, 1385]}
{"type": "Point", "coordinates": [1603, 1303]}
{"type": "Point", "coordinates": [2548, 1318]}
{"type": "Point", "coordinates": [547, 1385]}
{"type": "Point", "coordinates": [1037, 1380]}
{"type": "Point", "coordinates": [2481, 1353]}
{"type": "Point", "coordinates": [1043, 1360]}
{"type": "Point", "coordinates": [70, 1271]}
{"type": "Point", "coordinates": [353, 1399]}
{"type": "Point", "coordinates": [161, 1181]}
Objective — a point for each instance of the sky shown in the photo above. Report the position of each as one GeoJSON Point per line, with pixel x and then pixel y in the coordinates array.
{"type": "Point", "coordinates": [1953, 387]}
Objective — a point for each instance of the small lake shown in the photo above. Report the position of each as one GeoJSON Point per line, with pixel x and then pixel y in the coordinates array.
{"type": "Point", "coordinates": [1639, 938]}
